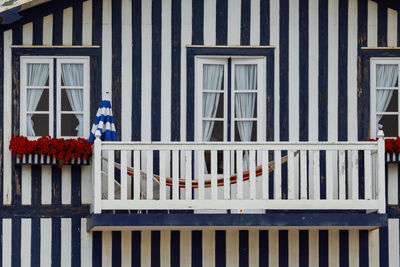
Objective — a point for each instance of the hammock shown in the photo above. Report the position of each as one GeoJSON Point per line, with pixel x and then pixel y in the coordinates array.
{"type": "Point", "coordinates": [207, 183]}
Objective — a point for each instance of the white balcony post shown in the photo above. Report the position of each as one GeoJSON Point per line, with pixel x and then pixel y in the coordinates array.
{"type": "Point", "coordinates": [97, 173]}
{"type": "Point", "coordinates": [381, 173]}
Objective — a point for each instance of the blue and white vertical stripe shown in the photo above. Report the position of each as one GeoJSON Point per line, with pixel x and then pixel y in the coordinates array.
{"type": "Point", "coordinates": [104, 122]}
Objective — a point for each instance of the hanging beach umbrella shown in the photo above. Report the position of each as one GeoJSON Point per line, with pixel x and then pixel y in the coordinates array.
{"type": "Point", "coordinates": [104, 122]}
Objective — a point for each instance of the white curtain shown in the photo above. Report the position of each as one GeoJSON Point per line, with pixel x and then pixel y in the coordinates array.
{"type": "Point", "coordinates": [245, 79]}
{"type": "Point", "coordinates": [72, 74]}
{"type": "Point", "coordinates": [386, 76]}
{"type": "Point", "coordinates": [37, 76]}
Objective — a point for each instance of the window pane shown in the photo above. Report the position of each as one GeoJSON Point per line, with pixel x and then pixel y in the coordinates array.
{"type": "Point", "coordinates": [213, 131]}
{"type": "Point", "coordinates": [389, 124]}
{"type": "Point", "coordinates": [71, 74]}
{"type": "Point", "coordinates": [72, 99]}
{"type": "Point", "coordinates": [37, 100]}
{"type": "Point", "coordinates": [213, 76]}
{"type": "Point", "coordinates": [69, 124]}
{"type": "Point", "coordinates": [245, 77]}
{"type": "Point", "coordinates": [245, 105]}
{"type": "Point", "coordinates": [387, 75]}
{"type": "Point", "coordinates": [245, 131]}
{"type": "Point", "coordinates": [37, 74]}
{"type": "Point", "coordinates": [213, 105]}
{"type": "Point", "coordinates": [40, 123]}
{"type": "Point", "coordinates": [387, 100]}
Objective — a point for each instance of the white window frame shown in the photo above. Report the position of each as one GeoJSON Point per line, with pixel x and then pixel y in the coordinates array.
{"type": "Point", "coordinates": [373, 87]}
{"type": "Point", "coordinates": [85, 60]}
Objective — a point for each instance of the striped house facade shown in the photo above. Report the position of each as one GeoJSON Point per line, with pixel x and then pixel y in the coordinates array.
{"type": "Point", "coordinates": [317, 90]}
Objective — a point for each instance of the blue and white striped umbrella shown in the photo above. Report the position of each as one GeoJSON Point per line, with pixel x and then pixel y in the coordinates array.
{"type": "Point", "coordinates": [104, 122]}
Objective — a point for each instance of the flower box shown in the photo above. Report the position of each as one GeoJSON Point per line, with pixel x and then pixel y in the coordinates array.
{"type": "Point", "coordinates": [36, 159]}
{"type": "Point", "coordinates": [392, 157]}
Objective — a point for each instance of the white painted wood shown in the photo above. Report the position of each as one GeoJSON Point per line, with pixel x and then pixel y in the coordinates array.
{"type": "Point", "coordinates": [274, 40]}
{"type": "Point", "coordinates": [106, 51]}
{"type": "Point", "coordinates": [255, 22]}
{"type": "Point", "coordinates": [333, 83]}
{"type": "Point", "coordinates": [126, 248]}
{"type": "Point", "coordinates": [86, 245]}
{"type": "Point", "coordinates": [393, 180]}
{"type": "Point", "coordinates": [66, 185]}
{"type": "Point", "coordinates": [6, 242]}
{"type": "Point", "coordinates": [188, 175]}
{"type": "Point", "coordinates": [277, 176]}
{"type": "Point", "coordinates": [106, 248]}
{"type": "Point", "coordinates": [313, 46]}
{"type": "Point", "coordinates": [45, 242]}
{"type": "Point", "coordinates": [227, 187]}
{"type": "Point", "coordinates": [342, 174]}
{"type": "Point", "coordinates": [7, 102]}
{"type": "Point", "coordinates": [303, 174]}
{"type": "Point", "coordinates": [26, 185]}
{"type": "Point", "coordinates": [136, 175]}
{"type": "Point", "coordinates": [372, 33]}
{"type": "Point", "coordinates": [145, 249]}
{"type": "Point", "coordinates": [273, 247]}
{"type": "Point", "coordinates": [175, 174]}
{"type": "Point", "coordinates": [381, 173]}
{"type": "Point", "coordinates": [373, 247]}
{"type": "Point", "coordinates": [46, 185]}
{"type": "Point", "coordinates": [67, 26]}
{"type": "Point", "coordinates": [149, 174]}
{"type": "Point", "coordinates": [234, 12]}
{"type": "Point", "coordinates": [96, 158]}
{"type": "Point", "coordinates": [200, 174]}
{"type": "Point", "coordinates": [110, 176]}
{"type": "Point", "coordinates": [291, 175]}
{"type": "Point", "coordinates": [214, 192]}
{"type": "Point", "coordinates": [254, 245]}
{"type": "Point", "coordinates": [165, 249]}
{"type": "Point", "coordinates": [163, 166]}
{"type": "Point", "coordinates": [354, 248]}
{"type": "Point", "coordinates": [209, 22]}
{"type": "Point", "coordinates": [333, 248]}
{"type": "Point", "coordinates": [354, 174]}
{"type": "Point", "coordinates": [293, 94]}
{"type": "Point", "coordinates": [86, 184]}
{"type": "Point", "coordinates": [393, 234]}
{"type": "Point", "coordinates": [313, 247]}
{"type": "Point", "coordinates": [232, 248]}
{"type": "Point", "coordinates": [368, 175]}
{"type": "Point", "coordinates": [87, 22]}
{"type": "Point", "coordinates": [66, 243]}
{"type": "Point", "coordinates": [124, 176]}
{"type": "Point", "coordinates": [392, 27]}
{"type": "Point", "coordinates": [329, 174]}
{"type": "Point", "coordinates": [27, 34]}
{"type": "Point", "coordinates": [265, 174]}
{"type": "Point", "coordinates": [252, 170]}
{"type": "Point", "coordinates": [25, 242]}
{"type": "Point", "coordinates": [239, 171]}
{"type": "Point", "coordinates": [316, 175]}
{"type": "Point", "coordinates": [185, 248]}
{"type": "Point", "coordinates": [294, 250]}
{"type": "Point", "coordinates": [208, 247]}
{"type": "Point", "coordinates": [352, 48]}
{"type": "Point", "coordinates": [48, 30]}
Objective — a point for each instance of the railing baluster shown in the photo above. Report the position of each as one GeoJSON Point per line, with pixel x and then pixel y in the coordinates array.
{"type": "Point", "coordinates": [265, 174]}
{"type": "Point", "coordinates": [342, 174]}
{"type": "Point", "coordinates": [277, 175]}
{"type": "Point", "coordinates": [136, 175]}
{"type": "Point", "coordinates": [354, 174]}
{"type": "Point", "coordinates": [368, 174]}
{"type": "Point", "coordinates": [329, 174]}
{"type": "Point", "coordinates": [163, 166]}
{"type": "Point", "coordinates": [316, 175]}
{"type": "Point", "coordinates": [252, 173]}
{"type": "Point", "coordinates": [303, 174]}
{"type": "Point", "coordinates": [149, 176]}
{"type": "Point", "coordinates": [110, 175]}
{"type": "Point", "coordinates": [124, 178]}
{"type": "Point", "coordinates": [291, 190]}
{"type": "Point", "coordinates": [175, 174]}
{"type": "Point", "coordinates": [227, 182]}
{"type": "Point", "coordinates": [200, 174]}
{"type": "Point", "coordinates": [214, 161]}
{"type": "Point", "coordinates": [188, 175]}
{"type": "Point", "coordinates": [239, 170]}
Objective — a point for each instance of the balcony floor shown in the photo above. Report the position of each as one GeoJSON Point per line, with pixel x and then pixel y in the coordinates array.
{"type": "Point", "coordinates": [110, 222]}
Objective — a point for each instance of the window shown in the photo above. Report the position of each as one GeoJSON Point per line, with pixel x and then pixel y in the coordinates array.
{"type": "Point", "coordinates": [55, 96]}
{"type": "Point", "coordinates": [385, 96]}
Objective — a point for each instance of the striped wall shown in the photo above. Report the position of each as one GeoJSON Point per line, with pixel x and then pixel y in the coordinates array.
{"type": "Point", "coordinates": [143, 65]}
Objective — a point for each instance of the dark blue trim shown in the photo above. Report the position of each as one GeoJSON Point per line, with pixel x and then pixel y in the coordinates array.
{"type": "Point", "coordinates": [245, 18]}
{"type": "Point", "coordinates": [56, 242]}
{"type": "Point", "coordinates": [77, 23]}
{"type": "Point", "coordinates": [197, 258]}
{"type": "Point", "coordinates": [221, 22]}
{"type": "Point", "coordinates": [176, 21]}
{"type": "Point", "coordinates": [155, 248]}
{"type": "Point", "coordinates": [136, 248]}
{"type": "Point", "coordinates": [197, 22]}
{"type": "Point", "coordinates": [16, 242]}
{"type": "Point", "coordinates": [323, 70]}
{"type": "Point", "coordinates": [97, 12]}
{"type": "Point", "coordinates": [220, 248]}
{"type": "Point", "coordinates": [284, 70]}
{"type": "Point", "coordinates": [1, 117]}
{"type": "Point", "coordinates": [283, 248]}
{"type": "Point", "coordinates": [97, 248]}
{"type": "Point", "coordinates": [344, 248]}
{"type": "Point", "coordinates": [44, 51]}
{"type": "Point", "coordinates": [39, 211]}
{"type": "Point", "coordinates": [116, 248]}
{"type": "Point", "coordinates": [398, 30]}
{"type": "Point", "coordinates": [382, 23]}
{"type": "Point", "coordinates": [76, 185]}
{"type": "Point", "coordinates": [57, 26]}
{"type": "Point", "coordinates": [17, 34]}
{"type": "Point", "coordinates": [95, 64]}
{"type": "Point", "coordinates": [175, 248]}
{"type": "Point", "coordinates": [55, 104]}
{"type": "Point", "coordinates": [10, 16]}
{"type": "Point", "coordinates": [342, 70]}
{"type": "Point", "coordinates": [264, 22]}
{"type": "Point", "coordinates": [116, 64]}
{"type": "Point", "coordinates": [156, 71]}
{"type": "Point", "coordinates": [323, 248]}
{"type": "Point", "coordinates": [37, 31]}
{"type": "Point", "coordinates": [363, 248]}
{"type": "Point", "coordinates": [263, 256]}
{"type": "Point", "coordinates": [229, 91]}
{"type": "Point", "coordinates": [36, 174]}
{"type": "Point", "coordinates": [303, 70]}
{"type": "Point", "coordinates": [76, 241]}
{"type": "Point", "coordinates": [137, 69]}
{"type": "Point", "coordinates": [303, 248]}
{"type": "Point", "coordinates": [383, 247]}
{"type": "Point", "coordinates": [243, 247]}
{"type": "Point", "coordinates": [270, 97]}
{"type": "Point", "coordinates": [55, 185]}
{"type": "Point", "coordinates": [35, 242]}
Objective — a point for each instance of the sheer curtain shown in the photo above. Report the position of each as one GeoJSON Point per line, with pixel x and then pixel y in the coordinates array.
{"type": "Point", "coordinates": [72, 75]}
{"type": "Point", "coordinates": [37, 76]}
{"type": "Point", "coordinates": [245, 79]}
{"type": "Point", "coordinates": [386, 76]}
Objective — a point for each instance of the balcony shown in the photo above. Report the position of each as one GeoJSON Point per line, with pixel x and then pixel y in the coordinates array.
{"type": "Point", "coordinates": [287, 184]}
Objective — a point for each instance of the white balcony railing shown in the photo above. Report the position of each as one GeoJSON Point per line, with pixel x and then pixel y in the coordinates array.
{"type": "Point", "coordinates": [173, 176]}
